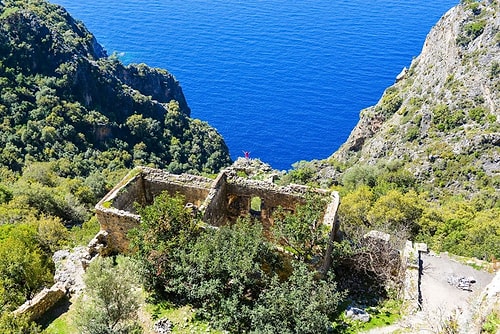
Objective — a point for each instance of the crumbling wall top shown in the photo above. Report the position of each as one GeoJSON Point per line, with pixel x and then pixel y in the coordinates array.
{"type": "Point", "coordinates": [157, 175]}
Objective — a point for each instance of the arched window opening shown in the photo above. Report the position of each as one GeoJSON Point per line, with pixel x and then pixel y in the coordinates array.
{"type": "Point", "coordinates": [256, 206]}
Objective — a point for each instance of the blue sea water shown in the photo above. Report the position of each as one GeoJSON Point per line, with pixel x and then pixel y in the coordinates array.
{"type": "Point", "coordinates": [285, 80]}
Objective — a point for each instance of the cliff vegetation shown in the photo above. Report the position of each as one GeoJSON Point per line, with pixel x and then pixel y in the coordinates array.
{"type": "Point", "coordinates": [63, 100]}
{"type": "Point", "coordinates": [426, 157]}
{"type": "Point", "coordinates": [72, 121]}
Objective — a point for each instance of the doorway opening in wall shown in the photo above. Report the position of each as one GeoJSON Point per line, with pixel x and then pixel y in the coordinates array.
{"type": "Point", "coordinates": [256, 206]}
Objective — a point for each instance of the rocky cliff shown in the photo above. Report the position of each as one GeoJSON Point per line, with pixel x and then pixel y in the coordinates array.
{"type": "Point", "coordinates": [62, 97]}
{"type": "Point", "coordinates": [441, 118]}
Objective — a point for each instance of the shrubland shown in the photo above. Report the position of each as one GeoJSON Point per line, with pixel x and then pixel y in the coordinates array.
{"type": "Point", "coordinates": [388, 197]}
{"type": "Point", "coordinates": [72, 122]}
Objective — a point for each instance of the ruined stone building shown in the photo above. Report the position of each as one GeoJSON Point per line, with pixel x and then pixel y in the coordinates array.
{"type": "Point", "coordinates": [218, 200]}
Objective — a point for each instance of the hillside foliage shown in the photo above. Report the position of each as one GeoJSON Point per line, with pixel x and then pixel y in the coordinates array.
{"type": "Point", "coordinates": [73, 120]}
{"type": "Point", "coordinates": [62, 99]}
{"type": "Point", "coordinates": [389, 198]}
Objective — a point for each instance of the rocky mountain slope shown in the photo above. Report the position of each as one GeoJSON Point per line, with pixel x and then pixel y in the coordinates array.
{"type": "Point", "coordinates": [441, 118]}
{"type": "Point", "coordinates": [63, 98]}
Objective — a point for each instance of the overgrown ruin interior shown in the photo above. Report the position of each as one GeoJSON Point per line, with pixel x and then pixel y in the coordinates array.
{"type": "Point", "coordinates": [218, 200]}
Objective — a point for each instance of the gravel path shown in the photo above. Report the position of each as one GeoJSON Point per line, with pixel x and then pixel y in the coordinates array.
{"type": "Point", "coordinates": [440, 300]}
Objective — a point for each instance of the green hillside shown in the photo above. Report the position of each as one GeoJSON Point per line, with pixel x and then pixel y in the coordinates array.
{"type": "Point", "coordinates": [426, 158]}
{"type": "Point", "coordinates": [72, 122]}
{"type": "Point", "coordinates": [63, 100]}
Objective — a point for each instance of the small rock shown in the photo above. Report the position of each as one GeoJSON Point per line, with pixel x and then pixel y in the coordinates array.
{"type": "Point", "coordinates": [163, 326]}
{"type": "Point", "coordinates": [357, 314]}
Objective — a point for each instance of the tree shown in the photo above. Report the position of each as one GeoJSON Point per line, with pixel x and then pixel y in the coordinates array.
{"type": "Point", "coordinates": [223, 273]}
{"type": "Point", "coordinates": [355, 207]}
{"type": "Point", "coordinates": [302, 232]}
{"type": "Point", "coordinates": [24, 268]}
{"type": "Point", "coordinates": [142, 127]}
{"type": "Point", "coordinates": [301, 304]}
{"type": "Point", "coordinates": [111, 299]}
{"type": "Point", "coordinates": [397, 211]}
{"type": "Point", "coordinates": [52, 234]}
{"type": "Point", "coordinates": [166, 226]}
{"type": "Point", "coordinates": [360, 175]}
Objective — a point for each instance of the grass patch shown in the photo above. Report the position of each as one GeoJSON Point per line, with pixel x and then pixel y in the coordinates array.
{"type": "Point", "coordinates": [492, 323]}
{"type": "Point", "coordinates": [107, 204]}
{"type": "Point", "coordinates": [183, 318]}
{"type": "Point", "coordinates": [61, 325]}
{"type": "Point", "coordinates": [383, 315]}
{"type": "Point", "coordinates": [477, 264]}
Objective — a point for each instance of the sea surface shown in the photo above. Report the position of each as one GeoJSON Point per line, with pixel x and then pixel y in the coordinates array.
{"type": "Point", "coordinates": [284, 80]}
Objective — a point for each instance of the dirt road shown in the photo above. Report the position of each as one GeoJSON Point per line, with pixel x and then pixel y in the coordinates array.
{"type": "Point", "coordinates": [440, 299]}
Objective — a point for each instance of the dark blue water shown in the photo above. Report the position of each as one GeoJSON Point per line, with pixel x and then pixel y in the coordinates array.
{"type": "Point", "coordinates": [284, 80]}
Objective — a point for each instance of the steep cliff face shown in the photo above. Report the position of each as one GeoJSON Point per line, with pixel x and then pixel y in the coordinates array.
{"type": "Point", "coordinates": [62, 97]}
{"type": "Point", "coordinates": [442, 117]}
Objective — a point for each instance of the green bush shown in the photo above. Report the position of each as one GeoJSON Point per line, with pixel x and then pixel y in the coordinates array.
{"type": "Point", "coordinates": [445, 119]}
{"type": "Point", "coordinates": [11, 324]}
{"type": "Point", "coordinates": [302, 232]}
{"type": "Point", "coordinates": [492, 323]}
{"type": "Point", "coordinates": [5, 194]}
{"type": "Point", "coordinates": [229, 274]}
{"type": "Point", "coordinates": [474, 29]}
{"type": "Point", "coordinates": [390, 103]}
{"type": "Point", "coordinates": [478, 114]}
{"type": "Point", "coordinates": [112, 298]}
{"type": "Point", "coordinates": [24, 267]}
{"type": "Point", "coordinates": [412, 133]}
{"type": "Point", "coordinates": [301, 304]}
{"type": "Point", "coordinates": [495, 70]}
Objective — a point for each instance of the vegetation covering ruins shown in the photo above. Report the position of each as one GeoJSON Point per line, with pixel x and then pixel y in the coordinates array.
{"type": "Point", "coordinates": [423, 164]}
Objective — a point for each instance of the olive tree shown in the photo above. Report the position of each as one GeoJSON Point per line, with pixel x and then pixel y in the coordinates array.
{"type": "Point", "coordinates": [111, 299]}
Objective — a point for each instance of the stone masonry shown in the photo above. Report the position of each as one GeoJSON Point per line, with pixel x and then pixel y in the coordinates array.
{"type": "Point", "coordinates": [218, 200]}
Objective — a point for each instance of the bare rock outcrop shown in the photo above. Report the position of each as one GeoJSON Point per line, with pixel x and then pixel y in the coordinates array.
{"type": "Point", "coordinates": [446, 106]}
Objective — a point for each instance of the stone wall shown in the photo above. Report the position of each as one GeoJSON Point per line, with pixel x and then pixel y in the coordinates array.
{"type": "Point", "coordinates": [214, 207]}
{"type": "Point", "coordinates": [116, 223]}
{"type": "Point", "coordinates": [42, 302]}
{"type": "Point", "coordinates": [194, 188]}
{"type": "Point", "coordinates": [70, 267]}
{"type": "Point", "coordinates": [116, 211]}
{"type": "Point", "coordinates": [224, 199]}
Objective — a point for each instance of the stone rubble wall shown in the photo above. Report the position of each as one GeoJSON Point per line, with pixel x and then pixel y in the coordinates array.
{"type": "Point", "coordinates": [68, 278]}
{"type": "Point", "coordinates": [125, 197]}
{"type": "Point", "coordinates": [42, 302]}
{"type": "Point", "coordinates": [224, 199]}
{"type": "Point", "coordinates": [214, 206]}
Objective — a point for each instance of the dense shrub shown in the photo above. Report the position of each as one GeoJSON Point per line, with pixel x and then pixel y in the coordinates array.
{"type": "Point", "coordinates": [231, 274]}
{"type": "Point", "coordinates": [112, 298]}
